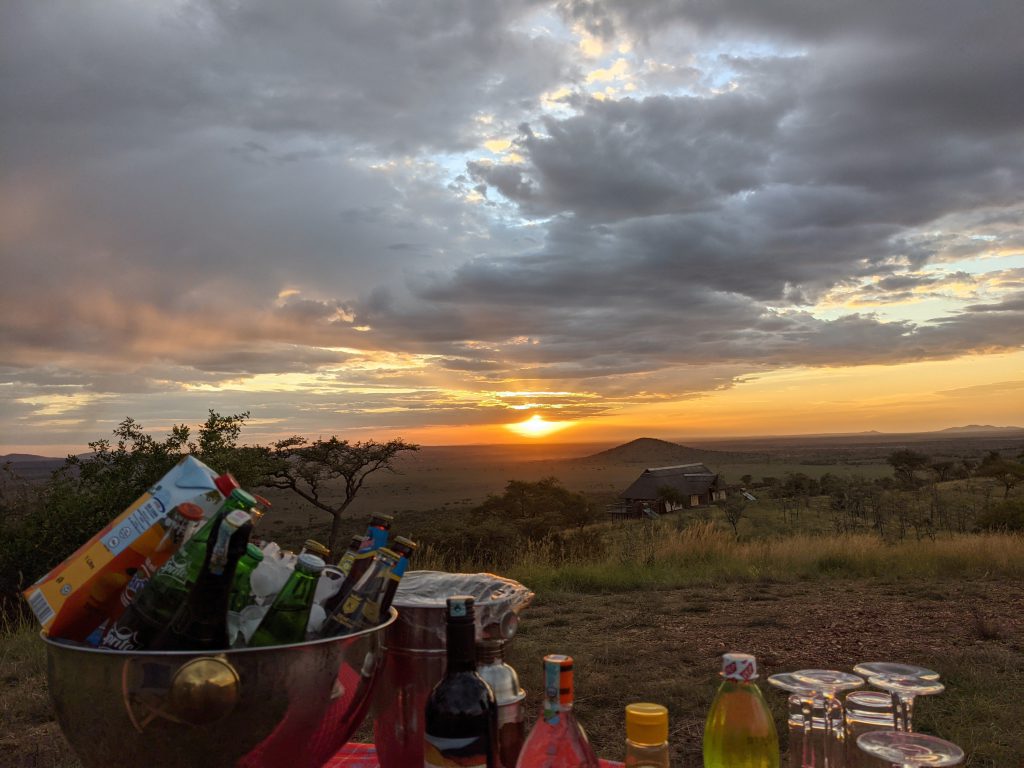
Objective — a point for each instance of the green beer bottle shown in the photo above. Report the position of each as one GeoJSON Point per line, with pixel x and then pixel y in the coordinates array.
{"type": "Point", "coordinates": [159, 599]}
{"type": "Point", "coordinates": [241, 588]}
{"type": "Point", "coordinates": [200, 623]}
{"type": "Point", "coordinates": [287, 618]}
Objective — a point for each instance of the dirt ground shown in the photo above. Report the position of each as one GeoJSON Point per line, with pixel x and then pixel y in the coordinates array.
{"type": "Point", "coordinates": [664, 646]}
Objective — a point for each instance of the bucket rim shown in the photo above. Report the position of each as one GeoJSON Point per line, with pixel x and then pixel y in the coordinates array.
{"type": "Point", "coordinates": [64, 645]}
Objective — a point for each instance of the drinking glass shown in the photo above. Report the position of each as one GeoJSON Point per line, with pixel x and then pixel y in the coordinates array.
{"type": "Point", "coordinates": [807, 698]}
{"type": "Point", "coordinates": [865, 711]}
{"type": "Point", "coordinates": [830, 683]}
{"type": "Point", "coordinates": [904, 690]}
{"type": "Point", "coordinates": [910, 750]}
{"type": "Point", "coordinates": [888, 668]}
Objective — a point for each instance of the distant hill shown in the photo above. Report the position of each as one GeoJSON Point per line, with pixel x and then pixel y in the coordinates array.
{"type": "Point", "coordinates": [980, 429]}
{"type": "Point", "coordinates": [651, 452]}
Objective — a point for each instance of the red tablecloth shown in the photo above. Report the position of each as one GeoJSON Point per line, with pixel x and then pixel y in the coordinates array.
{"type": "Point", "coordinates": [364, 756]}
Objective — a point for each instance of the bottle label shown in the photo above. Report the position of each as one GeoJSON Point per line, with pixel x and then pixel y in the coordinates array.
{"type": "Point", "coordinates": [466, 752]}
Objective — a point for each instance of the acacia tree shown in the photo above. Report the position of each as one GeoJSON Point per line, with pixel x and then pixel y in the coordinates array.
{"type": "Point", "coordinates": [312, 470]}
{"type": "Point", "coordinates": [1007, 473]}
{"type": "Point", "coordinates": [905, 462]}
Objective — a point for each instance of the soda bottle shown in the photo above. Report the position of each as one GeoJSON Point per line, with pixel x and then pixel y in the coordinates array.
{"type": "Point", "coordinates": [740, 731]}
{"type": "Point", "coordinates": [460, 721]}
{"type": "Point", "coordinates": [286, 620]}
{"type": "Point", "coordinates": [155, 605]}
{"type": "Point", "coordinates": [200, 623]}
{"type": "Point", "coordinates": [404, 548]}
{"type": "Point", "coordinates": [361, 608]}
{"type": "Point", "coordinates": [175, 526]}
{"type": "Point", "coordinates": [508, 696]}
{"type": "Point", "coordinates": [557, 740]}
{"type": "Point", "coordinates": [646, 736]}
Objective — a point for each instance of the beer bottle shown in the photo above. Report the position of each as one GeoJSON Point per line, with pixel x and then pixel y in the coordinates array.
{"type": "Point", "coordinates": [404, 548]}
{"type": "Point", "coordinates": [345, 564]}
{"type": "Point", "coordinates": [241, 588]}
{"type": "Point", "coordinates": [460, 720]}
{"type": "Point", "coordinates": [200, 623]}
{"type": "Point", "coordinates": [287, 618]}
{"type": "Point", "coordinates": [376, 537]}
{"type": "Point", "coordinates": [174, 527]}
{"type": "Point", "coordinates": [361, 608]}
{"type": "Point", "coordinates": [155, 605]}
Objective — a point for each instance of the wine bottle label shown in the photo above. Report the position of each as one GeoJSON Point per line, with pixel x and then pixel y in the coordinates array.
{"type": "Point", "coordinates": [465, 752]}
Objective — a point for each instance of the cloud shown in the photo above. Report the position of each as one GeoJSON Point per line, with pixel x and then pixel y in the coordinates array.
{"type": "Point", "coordinates": [399, 210]}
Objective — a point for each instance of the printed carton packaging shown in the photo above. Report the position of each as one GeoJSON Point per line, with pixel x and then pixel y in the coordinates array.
{"type": "Point", "coordinates": [59, 596]}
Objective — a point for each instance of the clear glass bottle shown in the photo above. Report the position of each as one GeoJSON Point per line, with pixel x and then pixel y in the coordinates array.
{"type": "Point", "coordinates": [557, 740]}
{"type": "Point", "coordinates": [740, 731]}
{"type": "Point", "coordinates": [286, 620]}
{"type": "Point", "coordinates": [504, 681]}
{"type": "Point", "coordinates": [646, 736]}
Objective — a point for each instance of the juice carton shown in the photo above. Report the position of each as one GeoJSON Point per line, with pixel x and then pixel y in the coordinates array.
{"type": "Point", "coordinates": [60, 597]}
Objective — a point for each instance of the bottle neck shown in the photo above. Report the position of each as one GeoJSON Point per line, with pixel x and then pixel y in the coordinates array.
{"type": "Point", "coordinates": [461, 639]}
{"type": "Point", "coordinates": [558, 691]}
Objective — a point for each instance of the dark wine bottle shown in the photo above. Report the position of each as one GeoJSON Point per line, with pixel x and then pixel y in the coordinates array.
{"type": "Point", "coordinates": [460, 727]}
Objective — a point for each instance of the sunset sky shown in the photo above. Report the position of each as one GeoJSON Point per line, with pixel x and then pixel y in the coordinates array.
{"type": "Point", "coordinates": [435, 219]}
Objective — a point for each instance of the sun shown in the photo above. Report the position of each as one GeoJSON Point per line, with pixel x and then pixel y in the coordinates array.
{"type": "Point", "coordinates": [536, 426]}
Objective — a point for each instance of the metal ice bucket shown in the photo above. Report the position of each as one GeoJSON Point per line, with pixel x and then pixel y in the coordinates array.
{"type": "Point", "coordinates": [287, 705]}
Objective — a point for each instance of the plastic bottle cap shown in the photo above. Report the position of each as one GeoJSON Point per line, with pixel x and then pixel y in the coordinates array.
{"type": "Point", "coordinates": [254, 552]}
{"type": "Point", "coordinates": [226, 483]}
{"type": "Point", "coordinates": [190, 511]}
{"type": "Point", "coordinates": [244, 497]}
{"type": "Point", "coordinates": [739, 666]}
{"type": "Point", "coordinates": [646, 723]}
{"type": "Point", "coordinates": [310, 563]}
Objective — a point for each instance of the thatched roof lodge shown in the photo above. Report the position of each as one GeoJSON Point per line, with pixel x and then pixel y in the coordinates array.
{"type": "Point", "coordinates": [664, 489]}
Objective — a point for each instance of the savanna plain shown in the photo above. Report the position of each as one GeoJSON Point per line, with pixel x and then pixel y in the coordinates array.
{"type": "Point", "coordinates": [835, 559]}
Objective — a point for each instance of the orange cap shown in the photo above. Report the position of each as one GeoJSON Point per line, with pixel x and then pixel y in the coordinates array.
{"type": "Point", "coordinates": [646, 724]}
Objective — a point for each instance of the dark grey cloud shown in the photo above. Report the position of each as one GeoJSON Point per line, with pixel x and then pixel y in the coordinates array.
{"type": "Point", "coordinates": [198, 193]}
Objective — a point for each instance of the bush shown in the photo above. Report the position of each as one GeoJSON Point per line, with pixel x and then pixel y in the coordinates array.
{"type": "Point", "coordinates": [1005, 516]}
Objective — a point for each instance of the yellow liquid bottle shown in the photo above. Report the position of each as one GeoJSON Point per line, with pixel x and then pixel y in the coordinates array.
{"type": "Point", "coordinates": [740, 731]}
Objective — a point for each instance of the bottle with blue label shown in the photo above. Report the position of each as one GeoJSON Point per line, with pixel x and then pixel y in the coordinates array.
{"type": "Point", "coordinates": [404, 548]}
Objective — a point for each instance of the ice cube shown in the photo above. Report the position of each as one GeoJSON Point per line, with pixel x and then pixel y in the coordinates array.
{"type": "Point", "coordinates": [317, 617]}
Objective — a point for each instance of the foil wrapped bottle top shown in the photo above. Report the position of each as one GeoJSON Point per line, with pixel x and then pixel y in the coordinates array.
{"type": "Point", "coordinates": [739, 666]}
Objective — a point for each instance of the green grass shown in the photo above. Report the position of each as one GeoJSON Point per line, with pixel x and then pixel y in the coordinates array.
{"type": "Point", "coordinates": [663, 555]}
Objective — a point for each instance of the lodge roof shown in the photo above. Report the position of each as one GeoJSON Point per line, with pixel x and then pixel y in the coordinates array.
{"type": "Point", "coordinates": [686, 479]}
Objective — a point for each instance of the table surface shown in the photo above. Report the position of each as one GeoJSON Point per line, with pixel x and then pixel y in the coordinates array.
{"type": "Point", "coordinates": [364, 756]}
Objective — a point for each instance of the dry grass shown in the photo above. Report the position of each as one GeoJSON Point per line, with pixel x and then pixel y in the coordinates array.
{"type": "Point", "coordinates": [663, 554]}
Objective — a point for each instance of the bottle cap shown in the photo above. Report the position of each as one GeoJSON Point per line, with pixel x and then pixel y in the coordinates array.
{"type": "Point", "coordinates": [226, 483]}
{"type": "Point", "coordinates": [460, 608]}
{"type": "Point", "coordinates": [244, 497]}
{"type": "Point", "coordinates": [190, 511]}
{"type": "Point", "coordinates": [739, 666]}
{"type": "Point", "coordinates": [646, 723]}
{"type": "Point", "coordinates": [254, 552]}
{"type": "Point", "coordinates": [404, 546]}
{"type": "Point", "coordinates": [237, 518]}
{"type": "Point", "coordinates": [382, 519]}
{"type": "Point", "coordinates": [558, 680]}
{"type": "Point", "coordinates": [310, 563]}
{"type": "Point", "coordinates": [315, 547]}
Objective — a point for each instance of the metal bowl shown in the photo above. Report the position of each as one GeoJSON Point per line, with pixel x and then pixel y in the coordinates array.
{"type": "Point", "coordinates": [286, 705]}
